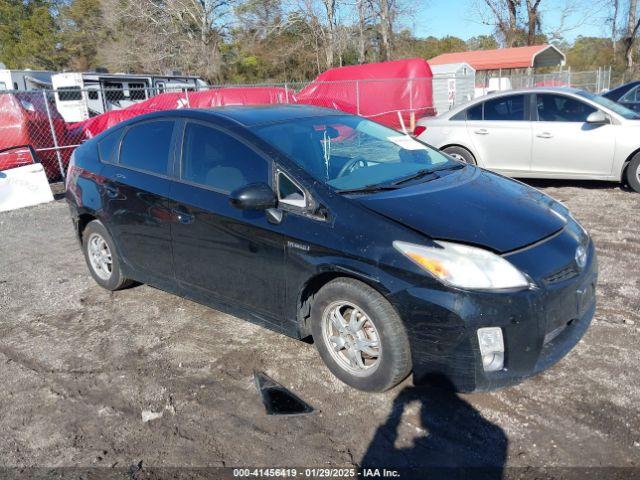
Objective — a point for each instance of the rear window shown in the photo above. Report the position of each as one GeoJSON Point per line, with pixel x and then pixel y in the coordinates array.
{"type": "Point", "coordinates": [146, 146]}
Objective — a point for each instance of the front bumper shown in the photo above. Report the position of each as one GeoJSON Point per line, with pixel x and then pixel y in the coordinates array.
{"type": "Point", "coordinates": [540, 325]}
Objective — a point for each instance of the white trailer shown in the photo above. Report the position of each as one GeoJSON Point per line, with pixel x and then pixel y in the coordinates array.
{"type": "Point", "coordinates": [80, 96]}
{"type": "Point", "coordinates": [453, 85]}
{"type": "Point", "coordinates": [23, 80]}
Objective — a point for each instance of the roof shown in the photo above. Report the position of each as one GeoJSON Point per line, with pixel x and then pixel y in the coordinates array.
{"type": "Point", "coordinates": [443, 68]}
{"type": "Point", "coordinates": [243, 115]}
{"type": "Point", "coordinates": [249, 115]}
{"type": "Point", "coordinates": [519, 57]}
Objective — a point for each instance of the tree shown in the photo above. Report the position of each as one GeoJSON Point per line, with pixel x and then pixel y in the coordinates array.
{"type": "Point", "coordinates": [632, 31]}
{"type": "Point", "coordinates": [365, 13]}
{"type": "Point", "coordinates": [29, 37]}
{"type": "Point", "coordinates": [613, 20]}
{"type": "Point", "coordinates": [162, 35]}
{"type": "Point", "coordinates": [482, 42]}
{"type": "Point", "coordinates": [384, 10]}
{"type": "Point", "coordinates": [533, 20]}
{"type": "Point", "coordinates": [503, 16]}
{"type": "Point", "coordinates": [83, 33]}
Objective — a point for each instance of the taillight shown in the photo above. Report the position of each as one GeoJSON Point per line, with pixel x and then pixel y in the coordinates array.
{"type": "Point", "coordinates": [420, 129]}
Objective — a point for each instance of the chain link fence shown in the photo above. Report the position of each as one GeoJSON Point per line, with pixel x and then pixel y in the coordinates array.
{"type": "Point", "coordinates": [46, 125]}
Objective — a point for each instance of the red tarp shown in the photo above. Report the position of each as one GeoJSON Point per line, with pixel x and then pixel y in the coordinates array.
{"type": "Point", "coordinates": [381, 90]}
{"type": "Point", "coordinates": [24, 121]}
{"type": "Point", "coordinates": [202, 99]}
{"type": "Point", "coordinates": [375, 90]}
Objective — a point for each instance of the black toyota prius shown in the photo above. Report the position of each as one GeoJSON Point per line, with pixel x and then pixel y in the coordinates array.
{"type": "Point", "coordinates": [391, 256]}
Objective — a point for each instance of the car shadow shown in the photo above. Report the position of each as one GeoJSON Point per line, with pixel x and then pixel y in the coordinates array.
{"type": "Point", "coordinates": [586, 184]}
{"type": "Point", "coordinates": [455, 440]}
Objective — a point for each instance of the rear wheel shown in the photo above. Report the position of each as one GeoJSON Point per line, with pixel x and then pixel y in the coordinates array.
{"type": "Point", "coordinates": [360, 336]}
{"type": "Point", "coordinates": [460, 153]}
{"type": "Point", "coordinates": [633, 173]}
{"type": "Point", "coordinates": [102, 259]}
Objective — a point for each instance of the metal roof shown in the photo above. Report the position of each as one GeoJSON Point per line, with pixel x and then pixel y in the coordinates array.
{"type": "Point", "coordinates": [505, 58]}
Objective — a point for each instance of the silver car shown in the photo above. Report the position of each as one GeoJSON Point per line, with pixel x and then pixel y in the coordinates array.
{"type": "Point", "coordinates": [542, 133]}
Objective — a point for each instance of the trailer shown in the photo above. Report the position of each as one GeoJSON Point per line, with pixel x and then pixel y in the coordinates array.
{"type": "Point", "coordinates": [80, 96]}
{"type": "Point", "coordinates": [24, 80]}
{"type": "Point", "coordinates": [453, 85]}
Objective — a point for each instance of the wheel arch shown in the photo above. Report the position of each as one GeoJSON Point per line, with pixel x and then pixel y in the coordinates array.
{"type": "Point", "coordinates": [625, 165]}
{"type": "Point", "coordinates": [83, 220]}
{"type": "Point", "coordinates": [314, 284]}
{"type": "Point", "coordinates": [461, 145]}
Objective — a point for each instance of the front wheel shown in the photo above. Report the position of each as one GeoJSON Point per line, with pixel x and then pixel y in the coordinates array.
{"type": "Point", "coordinates": [359, 336]}
{"type": "Point", "coordinates": [633, 173]}
{"type": "Point", "coordinates": [460, 153]}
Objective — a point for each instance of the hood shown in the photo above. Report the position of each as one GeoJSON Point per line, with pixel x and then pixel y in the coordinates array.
{"type": "Point", "coordinates": [472, 206]}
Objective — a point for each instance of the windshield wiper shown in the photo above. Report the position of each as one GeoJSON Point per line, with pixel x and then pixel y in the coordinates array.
{"type": "Point", "coordinates": [368, 189]}
{"type": "Point", "coordinates": [414, 176]}
{"type": "Point", "coordinates": [427, 171]}
{"type": "Point", "coordinates": [453, 166]}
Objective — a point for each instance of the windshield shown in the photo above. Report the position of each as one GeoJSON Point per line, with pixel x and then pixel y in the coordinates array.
{"type": "Point", "coordinates": [349, 152]}
{"type": "Point", "coordinates": [611, 105]}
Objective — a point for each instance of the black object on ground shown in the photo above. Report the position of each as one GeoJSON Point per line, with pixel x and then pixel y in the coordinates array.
{"type": "Point", "coordinates": [277, 399]}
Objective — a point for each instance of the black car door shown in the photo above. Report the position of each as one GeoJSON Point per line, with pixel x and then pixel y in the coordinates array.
{"type": "Point", "coordinates": [136, 185]}
{"type": "Point", "coordinates": [222, 253]}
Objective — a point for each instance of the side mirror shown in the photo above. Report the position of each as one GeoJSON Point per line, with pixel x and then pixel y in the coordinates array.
{"type": "Point", "coordinates": [255, 196]}
{"type": "Point", "coordinates": [598, 118]}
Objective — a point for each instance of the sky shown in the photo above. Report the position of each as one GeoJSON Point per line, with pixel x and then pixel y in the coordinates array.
{"type": "Point", "coordinates": [457, 18]}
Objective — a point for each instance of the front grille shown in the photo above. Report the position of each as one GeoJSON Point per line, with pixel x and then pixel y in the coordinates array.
{"type": "Point", "coordinates": [561, 275]}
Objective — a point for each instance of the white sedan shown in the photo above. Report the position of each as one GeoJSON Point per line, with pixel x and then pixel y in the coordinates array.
{"type": "Point", "coordinates": [542, 133]}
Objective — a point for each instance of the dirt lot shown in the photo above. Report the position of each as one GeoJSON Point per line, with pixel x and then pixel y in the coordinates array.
{"type": "Point", "coordinates": [80, 367]}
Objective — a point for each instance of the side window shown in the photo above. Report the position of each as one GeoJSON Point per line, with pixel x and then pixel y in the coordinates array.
{"type": "Point", "coordinates": [505, 108]}
{"type": "Point", "coordinates": [632, 96]}
{"type": "Point", "coordinates": [213, 158]}
{"type": "Point", "coordinates": [66, 94]}
{"type": "Point", "coordinates": [459, 116]}
{"type": "Point", "coordinates": [289, 193]}
{"type": "Point", "coordinates": [560, 108]}
{"type": "Point", "coordinates": [475, 113]}
{"type": "Point", "coordinates": [108, 147]}
{"type": "Point", "coordinates": [146, 146]}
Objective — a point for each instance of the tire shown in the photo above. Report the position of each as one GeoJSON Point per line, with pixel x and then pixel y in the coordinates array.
{"type": "Point", "coordinates": [633, 173]}
{"type": "Point", "coordinates": [460, 153]}
{"type": "Point", "coordinates": [377, 319]}
{"type": "Point", "coordinates": [107, 275]}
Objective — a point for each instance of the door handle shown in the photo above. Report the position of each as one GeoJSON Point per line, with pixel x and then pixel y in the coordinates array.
{"type": "Point", "coordinates": [544, 135]}
{"type": "Point", "coordinates": [481, 131]}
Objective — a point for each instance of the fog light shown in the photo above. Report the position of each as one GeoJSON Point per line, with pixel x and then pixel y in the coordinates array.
{"type": "Point", "coordinates": [491, 348]}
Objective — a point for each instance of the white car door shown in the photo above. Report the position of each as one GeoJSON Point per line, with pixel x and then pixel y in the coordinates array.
{"type": "Point", "coordinates": [563, 141]}
{"type": "Point", "coordinates": [500, 130]}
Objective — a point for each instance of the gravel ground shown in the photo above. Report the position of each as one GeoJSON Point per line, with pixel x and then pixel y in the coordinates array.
{"type": "Point", "coordinates": [81, 370]}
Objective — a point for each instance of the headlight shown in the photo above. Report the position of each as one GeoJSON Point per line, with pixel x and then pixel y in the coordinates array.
{"type": "Point", "coordinates": [463, 266]}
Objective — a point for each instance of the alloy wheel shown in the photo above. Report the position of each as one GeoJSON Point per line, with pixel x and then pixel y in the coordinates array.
{"type": "Point", "coordinates": [100, 257]}
{"type": "Point", "coordinates": [351, 338]}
